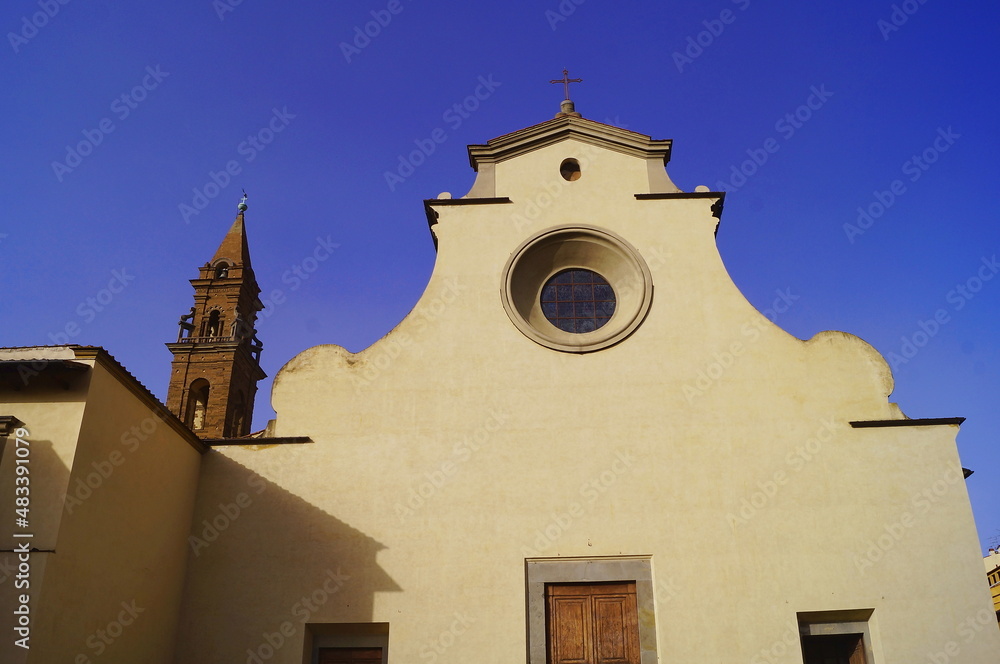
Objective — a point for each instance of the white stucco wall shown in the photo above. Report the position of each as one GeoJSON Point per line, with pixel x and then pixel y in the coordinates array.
{"type": "Point", "coordinates": [711, 440]}
{"type": "Point", "coordinates": [112, 493]}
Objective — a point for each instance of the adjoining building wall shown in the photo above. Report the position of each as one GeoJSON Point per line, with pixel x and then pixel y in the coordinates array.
{"type": "Point", "coordinates": [114, 575]}
{"type": "Point", "coordinates": [708, 445]}
{"type": "Point", "coordinates": [51, 408]}
{"type": "Point", "coordinates": [992, 562]}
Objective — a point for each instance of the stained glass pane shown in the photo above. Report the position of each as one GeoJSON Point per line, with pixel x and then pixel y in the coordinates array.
{"type": "Point", "coordinates": [578, 300]}
{"type": "Point", "coordinates": [603, 292]}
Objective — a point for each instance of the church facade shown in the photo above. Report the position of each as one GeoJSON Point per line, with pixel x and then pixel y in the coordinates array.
{"type": "Point", "coordinates": [583, 444]}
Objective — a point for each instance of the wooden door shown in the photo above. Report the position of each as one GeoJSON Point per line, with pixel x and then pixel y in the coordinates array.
{"type": "Point", "coordinates": [593, 623]}
{"type": "Point", "coordinates": [834, 649]}
{"type": "Point", "coordinates": [350, 656]}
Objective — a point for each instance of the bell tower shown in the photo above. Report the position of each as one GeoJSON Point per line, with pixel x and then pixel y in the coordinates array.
{"type": "Point", "coordinates": [216, 365]}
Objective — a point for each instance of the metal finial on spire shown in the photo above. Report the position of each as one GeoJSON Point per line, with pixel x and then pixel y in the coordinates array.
{"type": "Point", "coordinates": [243, 202]}
{"type": "Point", "coordinates": [566, 80]}
{"type": "Point", "coordinates": [566, 108]}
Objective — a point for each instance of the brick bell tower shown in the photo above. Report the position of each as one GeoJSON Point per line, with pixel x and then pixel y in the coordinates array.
{"type": "Point", "coordinates": [216, 365]}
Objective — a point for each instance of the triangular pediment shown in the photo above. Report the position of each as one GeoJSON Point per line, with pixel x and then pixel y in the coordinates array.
{"type": "Point", "coordinates": [640, 159]}
{"type": "Point", "coordinates": [559, 129]}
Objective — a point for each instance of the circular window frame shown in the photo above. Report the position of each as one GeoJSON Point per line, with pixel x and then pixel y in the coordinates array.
{"type": "Point", "coordinates": [584, 247]}
{"type": "Point", "coordinates": [570, 170]}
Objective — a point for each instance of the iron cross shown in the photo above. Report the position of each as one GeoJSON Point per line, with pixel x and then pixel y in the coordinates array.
{"type": "Point", "coordinates": [566, 80]}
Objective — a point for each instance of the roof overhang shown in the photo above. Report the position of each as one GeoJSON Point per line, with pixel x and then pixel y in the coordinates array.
{"type": "Point", "coordinates": [54, 361]}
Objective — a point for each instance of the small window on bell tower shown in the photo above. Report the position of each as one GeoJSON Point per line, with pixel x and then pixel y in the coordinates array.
{"type": "Point", "coordinates": [237, 416]}
{"type": "Point", "coordinates": [222, 271]}
{"type": "Point", "coordinates": [214, 324]}
{"type": "Point", "coordinates": [197, 406]}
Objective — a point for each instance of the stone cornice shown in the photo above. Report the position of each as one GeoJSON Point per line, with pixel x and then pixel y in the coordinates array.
{"type": "Point", "coordinates": [923, 422]}
{"type": "Point", "coordinates": [531, 138]}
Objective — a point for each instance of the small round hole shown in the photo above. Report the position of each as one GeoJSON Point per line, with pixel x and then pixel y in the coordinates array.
{"type": "Point", "coordinates": [570, 170]}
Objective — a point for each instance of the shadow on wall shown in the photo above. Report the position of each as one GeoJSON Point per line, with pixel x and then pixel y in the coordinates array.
{"type": "Point", "coordinates": [263, 565]}
{"type": "Point", "coordinates": [49, 483]}
{"type": "Point", "coordinates": [49, 477]}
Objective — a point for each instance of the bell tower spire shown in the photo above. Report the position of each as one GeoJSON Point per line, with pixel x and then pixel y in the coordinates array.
{"type": "Point", "coordinates": [216, 365]}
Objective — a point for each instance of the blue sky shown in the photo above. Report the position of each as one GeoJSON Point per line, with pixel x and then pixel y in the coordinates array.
{"type": "Point", "coordinates": [887, 107]}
